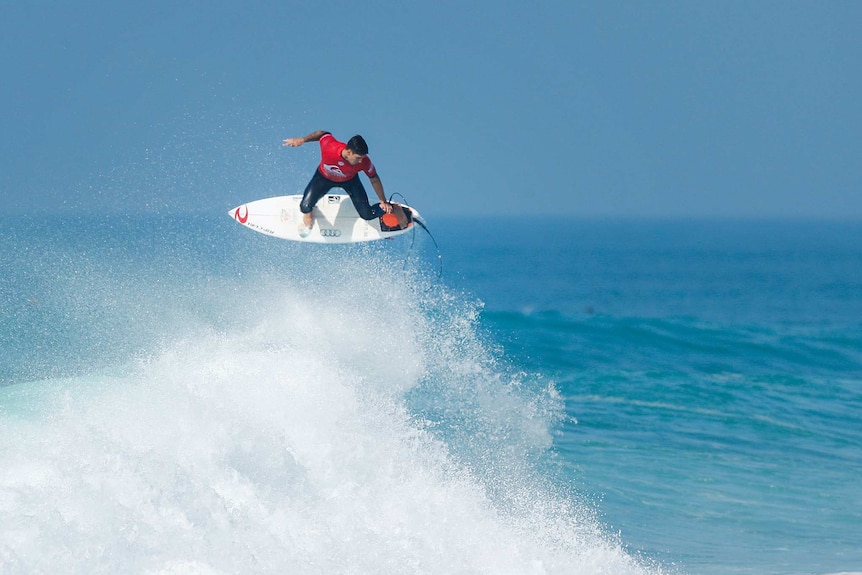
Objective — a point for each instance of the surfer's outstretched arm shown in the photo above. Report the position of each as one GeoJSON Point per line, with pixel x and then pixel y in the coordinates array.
{"type": "Point", "coordinates": [312, 137]}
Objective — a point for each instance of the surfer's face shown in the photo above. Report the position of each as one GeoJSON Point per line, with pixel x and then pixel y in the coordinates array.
{"type": "Point", "coordinates": [352, 157]}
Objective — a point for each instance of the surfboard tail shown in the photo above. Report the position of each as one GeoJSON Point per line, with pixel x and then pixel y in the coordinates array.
{"type": "Point", "coordinates": [391, 222]}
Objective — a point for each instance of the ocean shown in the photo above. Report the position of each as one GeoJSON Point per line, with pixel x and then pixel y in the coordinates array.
{"type": "Point", "coordinates": [179, 394]}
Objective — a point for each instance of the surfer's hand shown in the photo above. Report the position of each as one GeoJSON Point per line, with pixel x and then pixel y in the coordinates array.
{"type": "Point", "coordinates": [294, 142]}
{"type": "Point", "coordinates": [387, 207]}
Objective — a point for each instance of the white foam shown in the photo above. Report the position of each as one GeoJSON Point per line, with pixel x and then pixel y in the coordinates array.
{"type": "Point", "coordinates": [287, 444]}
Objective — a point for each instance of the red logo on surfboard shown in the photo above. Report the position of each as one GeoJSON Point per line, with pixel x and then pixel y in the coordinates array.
{"type": "Point", "coordinates": [239, 217]}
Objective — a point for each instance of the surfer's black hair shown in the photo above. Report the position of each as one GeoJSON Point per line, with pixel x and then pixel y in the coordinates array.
{"type": "Point", "coordinates": [358, 145]}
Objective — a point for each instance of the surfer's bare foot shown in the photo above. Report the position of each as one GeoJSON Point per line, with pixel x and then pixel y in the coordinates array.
{"type": "Point", "coordinates": [304, 228]}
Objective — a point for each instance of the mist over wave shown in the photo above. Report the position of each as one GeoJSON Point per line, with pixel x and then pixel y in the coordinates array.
{"type": "Point", "coordinates": [324, 411]}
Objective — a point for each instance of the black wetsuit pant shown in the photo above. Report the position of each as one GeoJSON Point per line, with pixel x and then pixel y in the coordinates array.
{"type": "Point", "coordinates": [319, 186]}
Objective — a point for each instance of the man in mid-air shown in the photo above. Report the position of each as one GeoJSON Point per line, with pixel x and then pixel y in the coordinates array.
{"type": "Point", "coordinates": [339, 167]}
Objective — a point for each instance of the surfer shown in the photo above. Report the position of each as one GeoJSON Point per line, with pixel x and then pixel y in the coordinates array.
{"type": "Point", "coordinates": [339, 167]}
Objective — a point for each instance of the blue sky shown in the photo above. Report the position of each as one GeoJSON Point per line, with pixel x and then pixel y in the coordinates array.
{"type": "Point", "coordinates": [655, 109]}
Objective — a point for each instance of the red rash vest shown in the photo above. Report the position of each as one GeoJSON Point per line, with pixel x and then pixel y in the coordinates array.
{"type": "Point", "coordinates": [335, 168]}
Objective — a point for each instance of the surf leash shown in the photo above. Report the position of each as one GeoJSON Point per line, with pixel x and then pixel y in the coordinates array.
{"type": "Point", "coordinates": [424, 226]}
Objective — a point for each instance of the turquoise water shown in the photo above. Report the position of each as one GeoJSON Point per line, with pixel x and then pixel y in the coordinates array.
{"type": "Point", "coordinates": [183, 395]}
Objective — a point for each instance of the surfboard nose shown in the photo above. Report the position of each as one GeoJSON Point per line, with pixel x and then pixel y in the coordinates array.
{"type": "Point", "coordinates": [239, 213]}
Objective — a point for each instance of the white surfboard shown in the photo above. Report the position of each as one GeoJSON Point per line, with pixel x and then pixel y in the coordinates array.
{"type": "Point", "coordinates": [335, 220]}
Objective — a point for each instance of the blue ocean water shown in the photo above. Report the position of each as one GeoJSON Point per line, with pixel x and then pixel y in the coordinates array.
{"type": "Point", "coordinates": [181, 395]}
